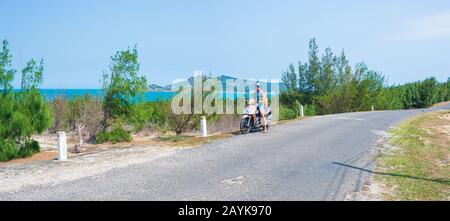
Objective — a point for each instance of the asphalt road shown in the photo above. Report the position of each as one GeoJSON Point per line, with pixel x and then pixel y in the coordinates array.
{"type": "Point", "coordinates": [320, 158]}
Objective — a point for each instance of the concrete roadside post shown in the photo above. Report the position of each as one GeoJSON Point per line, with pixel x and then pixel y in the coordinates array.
{"type": "Point", "coordinates": [62, 146]}
{"type": "Point", "coordinates": [302, 114]}
{"type": "Point", "coordinates": [373, 108]}
{"type": "Point", "coordinates": [203, 129]}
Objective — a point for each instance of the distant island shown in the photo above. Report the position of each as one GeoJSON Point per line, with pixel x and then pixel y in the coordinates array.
{"type": "Point", "coordinates": [221, 78]}
{"type": "Point", "coordinates": [157, 88]}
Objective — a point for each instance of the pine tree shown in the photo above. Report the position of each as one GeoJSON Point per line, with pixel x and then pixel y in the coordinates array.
{"type": "Point", "coordinates": [121, 85]}
{"type": "Point", "coordinates": [23, 113]}
{"type": "Point", "coordinates": [327, 72]}
{"type": "Point", "coordinates": [313, 73]}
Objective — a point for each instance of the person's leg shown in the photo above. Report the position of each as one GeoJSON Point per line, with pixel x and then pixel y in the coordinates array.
{"type": "Point", "coordinates": [263, 117]}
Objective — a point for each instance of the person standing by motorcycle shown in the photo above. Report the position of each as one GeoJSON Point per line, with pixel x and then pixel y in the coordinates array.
{"type": "Point", "coordinates": [262, 102]}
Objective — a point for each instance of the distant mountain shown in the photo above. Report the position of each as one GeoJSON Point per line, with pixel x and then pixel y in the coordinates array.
{"type": "Point", "coordinates": [221, 78]}
{"type": "Point", "coordinates": [157, 88]}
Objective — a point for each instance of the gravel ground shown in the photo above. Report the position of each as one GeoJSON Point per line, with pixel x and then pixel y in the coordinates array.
{"type": "Point", "coordinates": [14, 177]}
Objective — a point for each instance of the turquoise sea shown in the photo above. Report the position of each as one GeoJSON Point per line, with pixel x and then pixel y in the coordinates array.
{"type": "Point", "coordinates": [51, 94]}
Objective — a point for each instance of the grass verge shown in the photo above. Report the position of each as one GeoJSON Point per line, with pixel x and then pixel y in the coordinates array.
{"type": "Point", "coordinates": [417, 167]}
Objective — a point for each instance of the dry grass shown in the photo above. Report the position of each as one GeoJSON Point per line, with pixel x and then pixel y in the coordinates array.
{"type": "Point", "coordinates": [418, 168]}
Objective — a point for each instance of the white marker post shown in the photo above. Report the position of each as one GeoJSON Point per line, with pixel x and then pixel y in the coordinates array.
{"type": "Point", "coordinates": [203, 129]}
{"type": "Point", "coordinates": [373, 108]}
{"type": "Point", "coordinates": [62, 146]}
{"type": "Point", "coordinates": [302, 114]}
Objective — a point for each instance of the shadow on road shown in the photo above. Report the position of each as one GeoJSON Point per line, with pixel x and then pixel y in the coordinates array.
{"type": "Point", "coordinates": [442, 181]}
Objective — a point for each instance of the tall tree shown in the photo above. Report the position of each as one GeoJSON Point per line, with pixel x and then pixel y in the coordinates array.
{"type": "Point", "coordinates": [428, 92]}
{"type": "Point", "coordinates": [32, 75]}
{"type": "Point", "coordinates": [6, 97]}
{"type": "Point", "coordinates": [343, 68]}
{"type": "Point", "coordinates": [22, 113]}
{"type": "Point", "coordinates": [290, 78]}
{"type": "Point", "coordinates": [313, 73]}
{"type": "Point", "coordinates": [6, 70]}
{"type": "Point", "coordinates": [122, 85]}
{"type": "Point", "coordinates": [302, 80]}
{"type": "Point", "coordinates": [327, 72]}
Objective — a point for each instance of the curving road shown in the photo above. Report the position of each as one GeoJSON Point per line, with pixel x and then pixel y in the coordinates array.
{"type": "Point", "coordinates": [320, 158]}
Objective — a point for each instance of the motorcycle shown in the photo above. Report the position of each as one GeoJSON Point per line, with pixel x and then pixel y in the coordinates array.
{"type": "Point", "coordinates": [248, 123]}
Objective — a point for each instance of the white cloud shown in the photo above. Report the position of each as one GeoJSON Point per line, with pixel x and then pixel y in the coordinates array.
{"type": "Point", "coordinates": [426, 27]}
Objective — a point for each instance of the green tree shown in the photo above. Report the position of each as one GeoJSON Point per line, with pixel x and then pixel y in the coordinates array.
{"type": "Point", "coordinates": [290, 79]}
{"type": "Point", "coordinates": [447, 86]}
{"type": "Point", "coordinates": [314, 66]}
{"type": "Point", "coordinates": [22, 113]}
{"type": "Point", "coordinates": [333, 86]}
{"type": "Point", "coordinates": [32, 75]}
{"type": "Point", "coordinates": [122, 85]}
{"type": "Point", "coordinates": [292, 82]}
{"type": "Point", "coordinates": [428, 92]}
{"type": "Point", "coordinates": [327, 72]}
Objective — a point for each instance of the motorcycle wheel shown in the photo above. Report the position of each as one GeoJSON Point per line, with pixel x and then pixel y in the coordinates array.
{"type": "Point", "coordinates": [245, 129]}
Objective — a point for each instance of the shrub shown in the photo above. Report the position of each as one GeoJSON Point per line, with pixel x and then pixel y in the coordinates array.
{"type": "Point", "coordinates": [287, 113]}
{"type": "Point", "coordinates": [8, 150]}
{"type": "Point", "coordinates": [59, 108]}
{"type": "Point", "coordinates": [116, 135]}
{"type": "Point", "coordinates": [25, 152]}
{"type": "Point", "coordinates": [310, 110]}
{"type": "Point", "coordinates": [141, 116]}
{"type": "Point", "coordinates": [34, 146]}
{"type": "Point", "coordinates": [30, 148]}
{"type": "Point", "coordinates": [84, 115]}
{"type": "Point", "coordinates": [102, 137]}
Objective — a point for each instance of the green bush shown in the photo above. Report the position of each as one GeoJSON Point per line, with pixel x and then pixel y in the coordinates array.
{"type": "Point", "coordinates": [287, 113]}
{"type": "Point", "coordinates": [116, 135]}
{"type": "Point", "coordinates": [33, 146]}
{"type": "Point", "coordinates": [25, 152]}
{"type": "Point", "coordinates": [102, 137]}
{"type": "Point", "coordinates": [8, 150]}
{"type": "Point", "coordinates": [310, 110]}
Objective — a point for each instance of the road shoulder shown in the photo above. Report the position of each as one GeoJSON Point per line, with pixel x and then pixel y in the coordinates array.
{"type": "Point", "coordinates": [413, 161]}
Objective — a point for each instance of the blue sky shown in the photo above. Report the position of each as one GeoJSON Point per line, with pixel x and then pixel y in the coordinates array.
{"type": "Point", "coordinates": [405, 40]}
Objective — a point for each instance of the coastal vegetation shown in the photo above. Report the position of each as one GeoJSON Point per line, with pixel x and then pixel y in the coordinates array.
{"type": "Point", "coordinates": [327, 84]}
{"type": "Point", "coordinates": [22, 113]}
{"type": "Point", "coordinates": [121, 85]}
